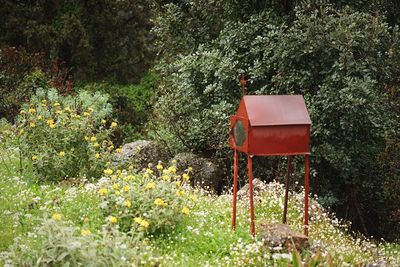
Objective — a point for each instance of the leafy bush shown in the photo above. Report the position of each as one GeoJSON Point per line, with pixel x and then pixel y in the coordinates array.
{"type": "Point", "coordinates": [66, 136]}
{"type": "Point", "coordinates": [344, 63]}
{"type": "Point", "coordinates": [58, 243]}
{"type": "Point", "coordinates": [132, 105]}
{"type": "Point", "coordinates": [145, 202]}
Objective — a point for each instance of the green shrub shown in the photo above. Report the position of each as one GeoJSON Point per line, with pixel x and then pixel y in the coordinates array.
{"type": "Point", "coordinates": [145, 202]}
{"type": "Point", "coordinates": [344, 63]}
{"type": "Point", "coordinates": [58, 243]}
{"type": "Point", "coordinates": [66, 136]}
{"type": "Point", "coordinates": [132, 105]}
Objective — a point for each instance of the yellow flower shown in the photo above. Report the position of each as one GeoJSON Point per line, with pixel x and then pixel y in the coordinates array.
{"type": "Point", "coordinates": [142, 222]}
{"type": "Point", "coordinates": [40, 117]}
{"type": "Point", "coordinates": [180, 193]}
{"type": "Point", "coordinates": [32, 110]}
{"type": "Point", "coordinates": [86, 138]}
{"type": "Point", "coordinates": [108, 171]}
{"type": "Point", "coordinates": [160, 202]}
{"type": "Point", "coordinates": [130, 177]}
{"type": "Point", "coordinates": [97, 155]}
{"type": "Point", "coordinates": [115, 186]}
{"type": "Point", "coordinates": [149, 171]}
{"type": "Point", "coordinates": [193, 198]}
{"type": "Point", "coordinates": [126, 188]}
{"type": "Point", "coordinates": [185, 210]}
{"type": "Point", "coordinates": [103, 121]}
{"type": "Point", "coordinates": [113, 124]}
{"type": "Point", "coordinates": [113, 219]}
{"type": "Point", "coordinates": [151, 185]}
{"type": "Point", "coordinates": [52, 126]}
{"type": "Point", "coordinates": [86, 114]}
{"type": "Point", "coordinates": [62, 154]}
{"type": "Point", "coordinates": [166, 178]}
{"type": "Point", "coordinates": [172, 169]}
{"type": "Point", "coordinates": [32, 124]}
{"type": "Point", "coordinates": [21, 132]}
{"type": "Point", "coordinates": [185, 177]}
{"type": "Point", "coordinates": [22, 112]}
{"type": "Point", "coordinates": [190, 169]}
{"type": "Point", "coordinates": [59, 112]}
{"type": "Point", "coordinates": [127, 203]}
{"type": "Point", "coordinates": [67, 109]}
{"type": "Point", "coordinates": [103, 191]}
{"type": "Point", "coordinates": [118, 150]}
{"type": "Point", "coordinates": [174, 161]}
{"type": "Point", "coordinates": [85, 232]}
{"type": "Point", "coordinates": [111, 147]}
{"type": "Point", "coordinates": [34, 158]}
{"type": "Point", "coordinates": [90, 110]}
{"type": "Point", "coordinates": [43, 105]}
{"type": "Point", "coordinates": [56, 216]}
{"type": "Point", "coordinates": [96, 144]}
{"type": "Point", "coordinates": [159, 167]}
{"type": "Point", "coordinates": [44, 101]}
{"type": "Point", "coordinates": [117, 193]}
{"type": "Point", "coordinates": [56, 104]}
{"type": "Point", "coordinates": [93, 139]}
{"type": "Point", "coordinates": [50, 121]}
{"type": "Point", "coordinates": [178, 183]}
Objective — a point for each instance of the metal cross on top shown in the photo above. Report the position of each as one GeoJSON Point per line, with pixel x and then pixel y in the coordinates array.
{"type": "Point", "coordinates": [270, 125]}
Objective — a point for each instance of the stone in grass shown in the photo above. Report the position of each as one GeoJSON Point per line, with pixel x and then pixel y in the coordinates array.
{"type": "Point", "coordinates": [258, 187]}
{"type": "Point", "coordinates": [140, 153]}
{"type": "Point", "coordinates": [205, 173]}
{"type": "Point", "coordinates": [282, 236]}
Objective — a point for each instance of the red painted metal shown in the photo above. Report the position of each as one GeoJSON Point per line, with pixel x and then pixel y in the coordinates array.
{"type": "Point", "coordinates": [272, 110]}
{"type": "Point", "coordinates": [243, 82]}
{"type": "Point", "coordinates": [289, 163]}
{"type": "Point", "coordinates": [306, 191]}
{"type": "Point", "coordinates": [250, 166]}
{"type": "Point", "coordinates": [273, 125]}
{"type": "Point", "coordinates": [235, 175]}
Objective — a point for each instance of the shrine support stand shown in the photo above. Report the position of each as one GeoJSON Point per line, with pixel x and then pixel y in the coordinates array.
{"type": "Point", "coordinates": [287, 182]}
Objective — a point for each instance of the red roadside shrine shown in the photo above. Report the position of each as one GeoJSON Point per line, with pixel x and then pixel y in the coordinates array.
{"type": "Point", "coordinates": [270, 125]}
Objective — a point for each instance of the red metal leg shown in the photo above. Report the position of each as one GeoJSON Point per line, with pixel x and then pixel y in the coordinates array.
{"type": "Point", "coordinates": [306, 184]}
{"type": "Point", "coordinates": [235, 174]}
{"type": "Point", "coordinates": [250, 166]}
{"type": "Point", "coordinates": [288, 170]}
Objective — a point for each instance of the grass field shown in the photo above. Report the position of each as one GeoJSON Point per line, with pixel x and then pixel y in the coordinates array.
{"type": "Point", "coordinates": [30, 236]}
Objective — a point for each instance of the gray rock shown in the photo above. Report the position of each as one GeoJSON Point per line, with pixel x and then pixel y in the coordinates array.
{"type": "Point", "coordinates": [282, 236]}
{"type": "Point", "coordinates": [140, 153]}
{"type": "Point", "coordinates": [205, 173]}
{"type": "Point", "coordinates": [258, 187]}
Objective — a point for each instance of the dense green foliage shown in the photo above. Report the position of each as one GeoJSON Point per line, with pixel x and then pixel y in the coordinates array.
{"type": "Point", "coordinates": [132, 106]}
{"type": "Point", "coordinates": [97, 40]}
{"type": "Point", "coordinates": [343, 62]}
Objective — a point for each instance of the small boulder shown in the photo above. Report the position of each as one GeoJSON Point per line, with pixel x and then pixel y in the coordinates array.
{"type": "Point", "coordinates": [140, 153]}
{"type": "Point", "coordinates": [205, 173]}
{"type": "Point", "coordinates": [281, 235]}
{"type": "Point", "coordinates": [258, 187]}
